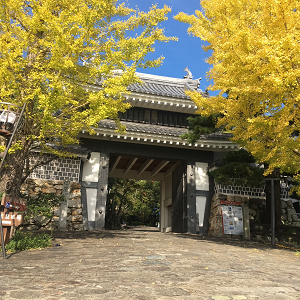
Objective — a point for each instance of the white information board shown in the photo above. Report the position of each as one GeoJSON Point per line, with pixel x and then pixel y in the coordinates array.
{"type": "Point", "coordinates": [232, 216]}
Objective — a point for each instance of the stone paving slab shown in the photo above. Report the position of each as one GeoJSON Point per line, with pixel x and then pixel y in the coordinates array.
{"type": "Point", "coordinates": [144, 265]}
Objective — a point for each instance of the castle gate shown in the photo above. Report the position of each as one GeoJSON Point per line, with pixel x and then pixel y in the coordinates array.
{"type": "Point", "coordinates": [152, 149]}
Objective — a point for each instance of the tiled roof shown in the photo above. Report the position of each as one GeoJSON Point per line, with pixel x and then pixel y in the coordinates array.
{"type": "Point", "coordinates": [74, 149]}
{"type": "Point", "coordinates": [145, 128]}
{"type": "Point", "coordinates": [166, 86]}
{"type": "Point", "coordinates": [161, 130]}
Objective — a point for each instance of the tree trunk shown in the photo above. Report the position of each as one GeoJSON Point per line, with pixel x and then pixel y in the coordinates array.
{"type": "Point", "coordinates": [12, 173]}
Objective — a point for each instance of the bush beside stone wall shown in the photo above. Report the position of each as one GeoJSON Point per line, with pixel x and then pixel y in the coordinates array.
{"type": "Point", "coordinates": [74, 207]}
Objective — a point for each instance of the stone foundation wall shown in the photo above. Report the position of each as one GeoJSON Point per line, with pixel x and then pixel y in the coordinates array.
{"type": "Point", "coordinates": [256, 209]}
{"type": "Point", "coordinates": [74, 207]}
{"type": "Point", "coordinates": [215, 220]}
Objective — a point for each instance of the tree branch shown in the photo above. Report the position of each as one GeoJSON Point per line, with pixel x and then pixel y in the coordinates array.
{"type": "Point", "coordinates": [297, 152]}
{"type": "Point", "coordinates": [38, 164]}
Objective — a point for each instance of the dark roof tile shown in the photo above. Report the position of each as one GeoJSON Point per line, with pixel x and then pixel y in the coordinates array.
{"type": "Point", "coordinates": [165, 86]}
{"type": "Point", "coordinates": [162, 130]}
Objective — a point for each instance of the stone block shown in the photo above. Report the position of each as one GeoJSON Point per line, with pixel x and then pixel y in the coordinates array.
{"type": "Point", "coordinates": [231, 198]}
{"type": "Point", "coordinates": [41, 221]}
{"type": "Point", "coordinates": [74, 203]}
{"type": "Point", "coordinates": [51, 226]}
{"type": "Point", "coordinates": [237, 198]}
{"type": "Point", "coordinates": [49, 190]}
{"type": "Point", "coordinates": [33, 227]}
{"type": "Point", "coordinates": [283, 204]}
{"type": "Point", "coordinates": [75, 185]}
{"type": "Point", "coordinates": [37, 182]}
{"type": "Point", "coordinates": [78, 218]}
{"type": "Point", "coordinates": [76, 192]}
{"type": "Point", "coordinates": [244, 199]}
{"type": "Point", "coordinates": [284, 217]}
{"type": "Point", "coordinates": [47, 184]}
{"type": "Point", "coordinates": [221, 197]}
{"type": "Point", "coordinates": [252, 212]}
{"type": "Point", "coordinates": [78, 226]}
{"type": "Point", "coordinates": [76, 212]}
{"type": "Point", "coordinates": [291, 211]}
{"type": "Point", "coordinates": [74, 195]}
{"type": "Point", "coordinates": [69, 226]}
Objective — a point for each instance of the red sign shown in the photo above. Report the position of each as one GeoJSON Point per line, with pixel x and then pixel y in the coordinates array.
{"type": "Point", "coordinates": [13, 203]}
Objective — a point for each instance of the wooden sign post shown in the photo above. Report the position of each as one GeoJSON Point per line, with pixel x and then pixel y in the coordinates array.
{"type": "Point", "coordinates": [12, 215]}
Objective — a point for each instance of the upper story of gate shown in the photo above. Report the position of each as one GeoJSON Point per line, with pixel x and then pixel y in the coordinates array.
{"type": "Point", "coordinates": [158, 116]}
{"type": "Point", "coordinates": [164, 93]}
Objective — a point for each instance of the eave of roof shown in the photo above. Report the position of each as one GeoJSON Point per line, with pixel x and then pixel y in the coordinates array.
{"type": "Point", "coordinates": [160, 136]}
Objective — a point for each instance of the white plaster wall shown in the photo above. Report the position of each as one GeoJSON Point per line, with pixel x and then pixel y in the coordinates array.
{"type": "Point", "coordinates": [91, 168]}
{"type": "Point", "coordinates": [202, 180]}
{"type": "Point", "coordinates": [166, 204]}
{"type": "Point", "coordinates": [91, 195]}
{"type": "Point", "coordinates": [200, 208]}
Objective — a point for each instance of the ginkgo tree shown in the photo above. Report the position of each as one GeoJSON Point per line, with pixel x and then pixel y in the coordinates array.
{"type": "Point", "coordinates": [255, 61]}
{"type": "Point", "coordinates": [52, 52]}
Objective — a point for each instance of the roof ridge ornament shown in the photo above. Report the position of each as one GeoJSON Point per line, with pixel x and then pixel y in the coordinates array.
{"type": "Point", "coordinates": [189, 74]}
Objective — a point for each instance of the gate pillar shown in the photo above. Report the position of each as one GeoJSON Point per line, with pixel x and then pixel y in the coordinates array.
{"type": "Point", "coordinates": [191, 198]}
{"type": "Point", "coordinates": [102, 191]}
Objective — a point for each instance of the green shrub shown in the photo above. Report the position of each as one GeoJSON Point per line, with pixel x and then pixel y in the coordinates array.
{"type": "Point", "coordinates": [27, 240]}
{"type": "Point", "coordinates": [237, 165]}
{"type": "Point", "coordinates": [42, 204]}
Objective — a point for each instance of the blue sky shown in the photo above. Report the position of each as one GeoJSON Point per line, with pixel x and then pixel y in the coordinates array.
{"type": "Point", "coordinates": [187, 51]}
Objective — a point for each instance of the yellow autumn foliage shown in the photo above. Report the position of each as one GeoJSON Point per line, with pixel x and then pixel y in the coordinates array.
{"type": "Point", "coordinates": [255, 66]}
{"type": "Point", "coordinates": [52, 52]}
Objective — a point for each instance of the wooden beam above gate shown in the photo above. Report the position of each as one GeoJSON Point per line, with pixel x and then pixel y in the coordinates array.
{"type": "Point", "coordinates": [140, 168]}
{"type": "Point", "coordinates": [129, 165]}
{"type": "Point", "coordinates": [146, 164]}
{"type": "Point", "coordinates": [159, 167]}
{"type": "Point", "coordinates": [114, 164]}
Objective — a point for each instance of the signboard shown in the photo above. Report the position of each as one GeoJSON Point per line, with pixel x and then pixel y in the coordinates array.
{"type": "Point", "coordinates": [13, 203]}
{"type": "Point", "coordinates": [11, 218]}
{"type": "Point", "coordinates": [232, 217]}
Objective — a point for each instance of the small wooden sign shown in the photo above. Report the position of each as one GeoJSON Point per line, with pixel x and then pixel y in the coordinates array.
{"type": "Point", "coordinates": [13, 203]}
{"type": "Point", "coordinates": [12, 218]}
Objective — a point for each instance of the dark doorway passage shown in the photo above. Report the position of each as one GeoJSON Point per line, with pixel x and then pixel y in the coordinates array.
{"type": "Point", "coordinates": [132, 203]}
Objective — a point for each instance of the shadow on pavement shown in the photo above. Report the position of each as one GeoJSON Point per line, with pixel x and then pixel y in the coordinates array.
{"type": "Point", "coordinates": [140, 232]}
{"type": "Point", "coordinates": [235, 241]}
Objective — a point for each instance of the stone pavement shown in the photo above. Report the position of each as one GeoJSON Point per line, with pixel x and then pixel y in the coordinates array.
{"type": "Point", "coordinates": [144, 264]}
